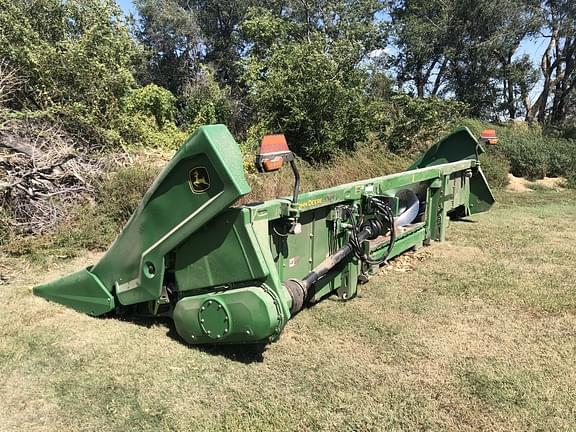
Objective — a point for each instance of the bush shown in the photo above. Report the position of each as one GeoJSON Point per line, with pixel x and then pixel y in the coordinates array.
{"type": "Point", "coordinates": [561, 156]}
{"type": "Point", "coordinates": [141, 130]}
{"type": "Point", "coordinates": [571, 179]}
{"type": "Point", "coordinates": [84, 228]}
{"type": "Point", "coordinates": [496, 168]}
{"type": "Point", "coordinates": [77, 58]}
{"type": "Point", "coordinates": [530, 152]}
{"type": "Point", "coordinates": [320, 106]}
{"type": "Point", "coordinates": [537, 157]}
{"type": "Point", "coordinates": [120, 194]}
{"type": "Point", "coordinates": [203, 102]}
{"type": "Point", "coordinates": [414, 124]}
{"type": "Point", "coordinates": [153, 101]}
{"type": "Point", "coordinates": [148, 119]}
{"type": "Point", "coordinates": [527, 156]}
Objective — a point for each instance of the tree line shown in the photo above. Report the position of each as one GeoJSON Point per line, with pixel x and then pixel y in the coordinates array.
{"type": "Point", "coordinates": [327, 73]}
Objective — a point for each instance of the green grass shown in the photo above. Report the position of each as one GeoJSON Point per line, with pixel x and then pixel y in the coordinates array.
{"type": "Point", "coordinates": [480, 334]}
{"type": "Point", "coordinates": [538, 187]}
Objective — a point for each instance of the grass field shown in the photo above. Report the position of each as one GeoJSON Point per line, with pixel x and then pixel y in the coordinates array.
{"type": "Point", "coordinates": [478, 333]}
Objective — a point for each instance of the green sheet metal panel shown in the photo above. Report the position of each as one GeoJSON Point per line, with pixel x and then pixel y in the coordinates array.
{"type": "Point", "coordinates": [244, 315]}
{"type": "Point", "coordinates": [261, 229]}
{"type": "Point", "coordinates": [82, 291]}
{"type": "Point", "coordinates": [203, 178]}
{"type": "Point", "coordinates": [481, 197]}
{"type": "Point", "coordinates": [222, 252]}
{"type": "Point", "coordinates": [297, 254]}
{"type": "Point", "coordinates": [459, 145]}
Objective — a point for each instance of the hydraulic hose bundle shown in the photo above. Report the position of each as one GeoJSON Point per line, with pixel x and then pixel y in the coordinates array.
{"type": "Point", "coordinates": [381, 209]}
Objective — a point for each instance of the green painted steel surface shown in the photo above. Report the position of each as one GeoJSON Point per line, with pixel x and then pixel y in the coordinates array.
{"type": "Point", "coordinates": [81, 290]}
{"type": "Point", "coordinates": [222, 252]}
{"type": "Point", "coordinates": [461, 145]}
{"type": "Point", "coordinates": [250, 314]}
{"type": "Point", "coordinates": [457, 146]}
{"type": "Point", "coordinates": [171, 211]}
{"type": "Point", "coordinates": [219, 271]}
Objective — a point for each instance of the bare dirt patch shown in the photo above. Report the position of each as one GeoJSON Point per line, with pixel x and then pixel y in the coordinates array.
{"type": "Point", "coordinates": [517, 184]}
{"type": "Point", "coordinates": [520, 184]}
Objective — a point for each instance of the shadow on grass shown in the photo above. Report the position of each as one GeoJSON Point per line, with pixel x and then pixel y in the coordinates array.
{"type": "Point", "coordinates": [242, 353]}
{"type": "Point", "coordinates": [463, 220]}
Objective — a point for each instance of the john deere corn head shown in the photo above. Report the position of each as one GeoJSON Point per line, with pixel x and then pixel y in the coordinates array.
{"type": "Point", "coordinates": [237, 274]}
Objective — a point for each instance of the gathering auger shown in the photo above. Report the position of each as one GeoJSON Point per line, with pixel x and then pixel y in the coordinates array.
{"type": "Point", "coordinates": [237, 274]}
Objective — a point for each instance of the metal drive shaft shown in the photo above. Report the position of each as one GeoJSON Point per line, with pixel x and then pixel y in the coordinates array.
{"type": "Point", "coordinates": [298, 288]}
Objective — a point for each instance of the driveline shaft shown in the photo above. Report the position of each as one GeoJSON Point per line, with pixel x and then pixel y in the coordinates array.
{"type": "Point", "coordinates": [298, 288]}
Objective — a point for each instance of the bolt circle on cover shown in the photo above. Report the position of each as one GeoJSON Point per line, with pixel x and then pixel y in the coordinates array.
{"type": "Point", "coordinates": [214, 319]}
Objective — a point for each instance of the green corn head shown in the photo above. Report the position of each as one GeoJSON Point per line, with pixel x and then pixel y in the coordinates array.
{"type": "Point", "coordinates": [229, 274]}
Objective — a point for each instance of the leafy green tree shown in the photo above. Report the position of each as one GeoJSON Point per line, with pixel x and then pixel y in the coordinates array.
{"type": "Point", "coordinates": [482, 69]}
{"type": "Point", "coordinates": [422, 36]}
{"type": "Point", "coordinates": [466, 49]}
{"type": "Point", "coordinates": [187, 41]}
{"type": "Point", "coordinates": [76, 56]}
{"type": "Point", "coordinates": [519, 78]}
{"type": "Point", "coordinates": [319, 107]}
{"type": "Point", "coordinates": [558, 64]}
{"type": "Point", "coordinates": [306, 72]}
{"type": "Point", "coordinates": [220, 21]}
{"type": "Point", "coordinates": [172, 37]}
{"type": "Point", "coordinates": [415, 123]}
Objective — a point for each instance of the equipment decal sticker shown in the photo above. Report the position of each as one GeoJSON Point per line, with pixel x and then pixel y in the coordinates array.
{"type": "Point", "coordinates": [199, 180]}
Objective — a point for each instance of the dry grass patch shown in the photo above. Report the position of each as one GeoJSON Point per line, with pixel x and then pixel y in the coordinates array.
{"type": "Point", "coordinates": [475, 334]}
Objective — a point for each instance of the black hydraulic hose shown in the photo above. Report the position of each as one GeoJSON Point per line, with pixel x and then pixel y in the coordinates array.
{"type": "Point", "coordinates": [296, 191]}
{"type": "Point", "coordinates": [387, 213]}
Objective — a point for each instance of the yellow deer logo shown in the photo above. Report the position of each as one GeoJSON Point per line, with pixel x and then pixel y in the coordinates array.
{"type": "Point", "coordinates": [199, 180]}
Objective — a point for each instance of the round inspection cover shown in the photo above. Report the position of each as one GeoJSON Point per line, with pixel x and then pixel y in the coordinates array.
{"type": "Point", "coordinates": [214, 319]}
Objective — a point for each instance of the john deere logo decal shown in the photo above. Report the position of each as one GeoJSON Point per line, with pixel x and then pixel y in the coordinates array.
{"type": "Point", "coordinates": [199, 180]}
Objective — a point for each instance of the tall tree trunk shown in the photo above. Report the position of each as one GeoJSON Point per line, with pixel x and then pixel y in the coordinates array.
{"type": "Point", "coordinates": [547, 70]}
{"type": "Point", "coordinates": [528, 107]}
{"type": "Point", "coordinates": [565, 80]}
{"type": "Point", "coordinates": [511, 102]}
{"type": "Point", "coordinates": [439, 77]}
{"type": "Point", "coordinates": [420, 84]}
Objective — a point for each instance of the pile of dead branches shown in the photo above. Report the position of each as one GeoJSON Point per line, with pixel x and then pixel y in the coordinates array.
{"type": "Point", "coordinates": [42, 172]}
{"type": "Point", "coordinates": [42, 167]}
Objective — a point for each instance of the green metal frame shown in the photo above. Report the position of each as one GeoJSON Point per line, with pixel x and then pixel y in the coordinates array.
{"type": "Point", "coordinates": [219, 271]}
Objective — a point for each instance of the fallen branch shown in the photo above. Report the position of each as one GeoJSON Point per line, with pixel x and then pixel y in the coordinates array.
{"type": "Point", "coordinates": [10, 141]}
{"type": "Point", "coordinates": [42, 174]}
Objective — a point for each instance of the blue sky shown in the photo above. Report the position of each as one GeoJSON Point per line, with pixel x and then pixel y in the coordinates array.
{"type": "Point", "coordinates": [126, 5]}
